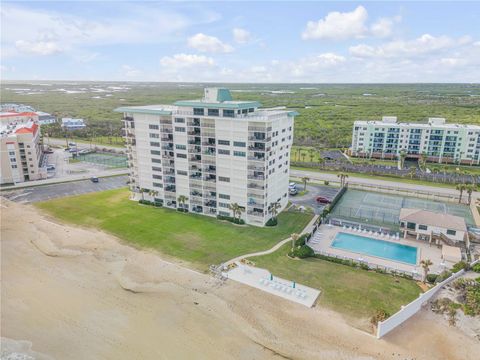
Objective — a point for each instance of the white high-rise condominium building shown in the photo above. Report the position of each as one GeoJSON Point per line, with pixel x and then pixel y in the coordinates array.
{"type": "Point", "coordinates": [213, 151]}
{"type": "Point", "coordinates": [436, 140]}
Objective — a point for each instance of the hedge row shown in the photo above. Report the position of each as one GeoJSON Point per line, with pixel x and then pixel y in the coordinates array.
{"type": "Point", "coordinates": [231, 219]}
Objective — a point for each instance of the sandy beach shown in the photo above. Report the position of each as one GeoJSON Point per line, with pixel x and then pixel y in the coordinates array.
{"type": "Point", "coordinates": [74, 293]}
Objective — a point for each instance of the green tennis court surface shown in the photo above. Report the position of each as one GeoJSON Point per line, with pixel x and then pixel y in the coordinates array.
{"type": "Point", "coordinates": [117, 161]}
{"type": "Point", "coordinates": [382, 209]}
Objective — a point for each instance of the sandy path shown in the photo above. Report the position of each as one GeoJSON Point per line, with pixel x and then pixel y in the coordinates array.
{"type": "Point", "coordinates": [75, 293]}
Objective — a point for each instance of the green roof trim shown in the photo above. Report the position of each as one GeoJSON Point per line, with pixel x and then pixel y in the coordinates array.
{"type": "Point", "coordinates": [293, 113]}
{"type": "Point", "coordinates": [132, 109]}
{"type": "Point", "coordinates": [201, 104]}
{"type": "Point", "coordinates": [223, 94]}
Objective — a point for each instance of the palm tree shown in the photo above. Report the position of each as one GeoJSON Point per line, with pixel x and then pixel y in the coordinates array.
{"type": "Point", "coordinates": [237, 210]}
{"type": "Point", "coordinates": [412, 172]}
{"type": "Point", "coordinates": [422, 161]}
{"type": "Point", "coordinates": [240, 210]}
{"type": "Point", "coordinates": [460, 188]}
{"type": "Point", "coordinates": [403, 155]}
{"type": "Point", "coordinates": [294, 238]}
{"type": "Point", "coordinates": [425, 263]}
{"type": "Point", "coordinates": [153, 193]}
{"type": "Point", "coordinates": [343, 177]}
{"type": "Point", "coordinates": [470, 189]}
{"type": "Point", "coordinates": [182, 199]}
{"type": "Point", "coordinates": [274, 207]}
{"type": "Point", "coordinates": [303, 154]}
{"type": "Point", "coordinates": [305, 179]}
{"type": "Point", "coordinates": [311, 152]}
{"type": "Point", "coordinates": [143, 191]}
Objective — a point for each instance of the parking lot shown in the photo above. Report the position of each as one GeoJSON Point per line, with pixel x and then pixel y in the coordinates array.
{"type": "Point", "coordinates": [47, 192]}
{"type": "Point", "coordinates": [313, 191]}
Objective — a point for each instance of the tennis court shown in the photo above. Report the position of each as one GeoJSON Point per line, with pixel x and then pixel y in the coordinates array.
{"type": "Point", "coordinates": [110, 160]}
{"type": "Point", "coordinates": [384, 210]}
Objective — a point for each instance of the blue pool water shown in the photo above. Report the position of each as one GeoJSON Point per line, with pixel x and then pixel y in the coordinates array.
{"type": "Point", "coordinates": [379, 248]}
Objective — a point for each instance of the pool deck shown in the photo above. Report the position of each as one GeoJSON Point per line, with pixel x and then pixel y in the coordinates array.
{"type": "Point", "coordinates": [322, 240]}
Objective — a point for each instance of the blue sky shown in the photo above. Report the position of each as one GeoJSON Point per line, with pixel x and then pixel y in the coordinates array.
{"type": "Point", "coordinates": [270, 41]}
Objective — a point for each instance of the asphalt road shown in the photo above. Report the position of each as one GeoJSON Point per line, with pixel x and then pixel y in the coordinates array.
{"type": "Point", "coordinates": [47, 192]}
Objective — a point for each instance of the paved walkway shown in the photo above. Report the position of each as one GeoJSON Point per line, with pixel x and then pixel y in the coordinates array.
{"type": "Point", "coordinates": [277, 246]}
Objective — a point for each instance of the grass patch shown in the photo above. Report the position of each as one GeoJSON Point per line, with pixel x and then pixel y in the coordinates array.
{"type": "Point", "coordinates": [196, 239]}
{"type": "Point", "coordinates": [350, 291]}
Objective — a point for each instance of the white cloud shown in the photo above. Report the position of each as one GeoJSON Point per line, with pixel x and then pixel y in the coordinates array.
{"type": "Point", "coordinates": [241, 36]}
{"type": "Point", "coordinates": [338, 26]}
{"type": "Point", "coordinates": [38, 48]}
{"type": "Point", "coordinates": [383, 27]}
{"type": "Point", "coordinates": [185, 61]}
{"type": "Point", "coordinates": [130, 71]}
{"type": "Point", "coordinates": [423, 45]}
{"type": "Point", "coordinates": [206, 43]}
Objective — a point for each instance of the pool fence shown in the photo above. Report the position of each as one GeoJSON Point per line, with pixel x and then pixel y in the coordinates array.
{"type": "Point", "coordinates": [407, 311]}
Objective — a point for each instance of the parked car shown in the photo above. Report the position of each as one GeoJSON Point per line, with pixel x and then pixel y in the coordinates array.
{"type": "Point", "coordinates": [48, 151]}
{"type": "Point", "coordinates": [292, 191]}
{"type": "Point", "coordinates": [292, 185]}
{"type": "Point", "coordinates": [322, 200]}
{"type": "Point", "coordinates": [94, 179]}
{"type": "Point", "coordinates": [50, 167]}
{"type": "Point", "coordinates": [72, 144]}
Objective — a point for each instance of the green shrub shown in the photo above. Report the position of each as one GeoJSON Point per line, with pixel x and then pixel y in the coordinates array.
{"type": "Point", "coordinates": [431, 278]}
{"type": "Point", "coordinates": [231, 219]}
{"type": "Point", "coordinates": [476, 267]}
{"type": "Point", "coordinates": [301, 240]}
{"type": "Point", "coordinates": [364, 266]}
{"type": "Point", "coordinates": [460, 266]}
{"type": "Point", "coordinates": [302, 252]}
{"type": "Point", "coordinates": [272, 222]}
{"type": "Point", "coordinates": [326, 182]}
{"type": "Point", "coordinates": [443, 275]}
{"type": "Point", "coordinates": [379, 315]}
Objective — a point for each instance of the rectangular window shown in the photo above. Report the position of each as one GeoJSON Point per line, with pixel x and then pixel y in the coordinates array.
{"type": "Point", "coordinates": [179, 129]}
{"type": "Point", "coordinates": [180, 147]}
{"type": "Point", "coordinates": [223, 213]}
{"type": "Point", "coordinates": [156, 144]}
{"type": "Point", "coordinates": [14, 166]}
{"type": "Point", "coordinates": [156, 168]}
{"type": "Point", "coordinates": [239, 153]}
{"type": "Point", "coordinates": [224, 179]}
{"type": "Point", "coordinates": [411, 225]}
{"type": "Point", "coordinates": [224, 196]}
{"type": "Point", "coordinates": [422, 227]}
{"type": "Point", "coordinates": [239, 143]}
{"type": "Point", "coordinates": [223, 142]}
{"type": "Point", "coordinates": [228, 113]}
{"type": "Point", "coordinates": [153, 127]}
{"type": "Point", "coordinates": [198, 111]}
{"type": "Point", "coordinates": [155, 152]}
{"type": "Point", "coordinates": [180, 120]}
{"type": "Point", "coordinates": [11, 153]}
{"type": "Point", "coordinates": [224, 152]}
{"type": "Point", "coordinates": [158, 161]}
{"type": "Point", "coordinates": [154, 136]}
{"type": "Point", "coordinates": [158, 177]}
{"type": "Point", "coordinates": [213, 112]}
{"type": "Point", "coordinates": [451, 232]}
{"type": "Point", "coordinates": [224, 205]}
{"type": "Point", "coordinates": [182, 172]}
{"type": "Point", "coordinates": [182, 156]}
{"type": "Point", "coordinates": [159, 185]}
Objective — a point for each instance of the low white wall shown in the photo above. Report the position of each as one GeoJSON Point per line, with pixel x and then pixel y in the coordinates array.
{"type": "Point", "coordinates": [384, 327]}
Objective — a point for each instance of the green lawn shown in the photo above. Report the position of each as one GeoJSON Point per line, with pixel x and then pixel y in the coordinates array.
{"type": "Point", "coordinates": [353, 292]}
{"type": "Point", "coordinates": [196, 239]}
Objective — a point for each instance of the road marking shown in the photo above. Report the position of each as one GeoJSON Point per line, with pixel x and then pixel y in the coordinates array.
{"type": "Point", "coordinates": [19, 195]}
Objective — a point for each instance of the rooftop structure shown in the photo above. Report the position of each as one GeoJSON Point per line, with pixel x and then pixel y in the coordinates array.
{"type": "Point", "coordinates": [20, 112]}
{"type": "Point", "coordinates": [214, 151]}
{"type": "Point", "coordinates": [436, 139]}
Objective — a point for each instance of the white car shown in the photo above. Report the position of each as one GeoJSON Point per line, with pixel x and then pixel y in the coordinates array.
{"type": "Point", "coordinates": [292, 185]}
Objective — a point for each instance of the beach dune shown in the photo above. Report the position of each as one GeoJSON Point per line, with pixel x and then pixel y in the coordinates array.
{"type": "Point", "coordinates": [74, 293]}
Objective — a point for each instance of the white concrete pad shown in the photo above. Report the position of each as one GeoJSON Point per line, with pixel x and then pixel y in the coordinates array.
{"type": "Point", "coordinates": [260, 278]}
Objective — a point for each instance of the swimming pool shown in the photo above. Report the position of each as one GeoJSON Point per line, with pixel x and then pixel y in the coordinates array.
{"type": "Point", "coordinates": [373, 247]}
